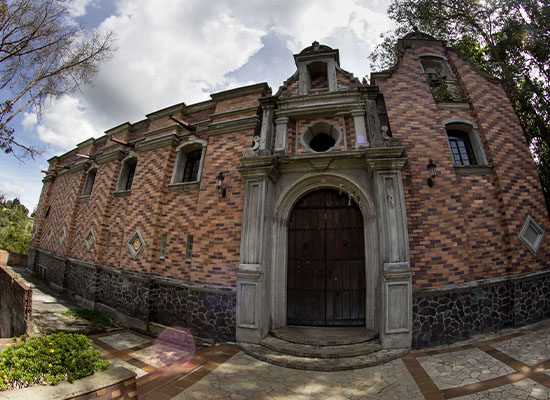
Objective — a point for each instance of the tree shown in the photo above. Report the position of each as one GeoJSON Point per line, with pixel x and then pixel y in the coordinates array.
{"type": "Point", "coordinates": [44, 54]}
{"type": "Point", "coordinates": [506, 38]}
{"type": "Point", "coordinates": [15, 226]}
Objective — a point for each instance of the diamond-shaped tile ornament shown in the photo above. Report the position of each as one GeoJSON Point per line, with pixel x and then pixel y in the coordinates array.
{"type": "Point", "coordinates": [135, 244]}
{"type": "Point", "coordinates": [89, 239]}
{"type": "Point", "coordinates": [531, 234]}
{"type": "Point", "coordinates": [63, 235]}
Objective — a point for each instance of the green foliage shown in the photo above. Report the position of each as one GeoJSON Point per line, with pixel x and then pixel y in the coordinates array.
{"type": "Point", "coordinates": [15, 226]}
{"type": "Point", "coordinates": [506, 38]}
{"type": "Point", "coordinates": [48, 360]}
{"type": "Point", "coordinates": [90, 315]}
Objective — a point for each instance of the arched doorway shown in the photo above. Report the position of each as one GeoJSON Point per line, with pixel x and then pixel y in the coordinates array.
{"type": "Point", "coordinates": [326, 261]}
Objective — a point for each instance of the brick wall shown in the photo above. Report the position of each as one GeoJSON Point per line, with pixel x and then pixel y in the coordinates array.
{"type": "Point", "coordinates": [13, 259]}
{"type": "Point", "coordinates": [15, 304]}
{"type": "Point", "coordinates": [465, 227]}
{"type": "Point", "coordinates": [151, 206]}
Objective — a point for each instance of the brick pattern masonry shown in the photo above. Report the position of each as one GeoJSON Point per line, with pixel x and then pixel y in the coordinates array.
{"type": "Point", "coordinates": [463, 229]}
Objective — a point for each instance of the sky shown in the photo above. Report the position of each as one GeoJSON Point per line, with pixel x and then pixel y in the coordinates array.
{"type": "Point", "coordinates": [173, 51]}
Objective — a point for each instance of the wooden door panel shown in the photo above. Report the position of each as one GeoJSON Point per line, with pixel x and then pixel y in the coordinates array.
{"type": "Point", "coordinates": [326, 271]}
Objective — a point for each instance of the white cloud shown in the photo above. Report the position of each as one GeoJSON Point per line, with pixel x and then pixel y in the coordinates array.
{"type": "Point", "coordinates": [64, 125]}
{"type": "Point", "coordinates": [77, 8]}
{"type": "Point", "coordinates": [11, 190]}
{"type": "Point", "coordinates": [172, 51]}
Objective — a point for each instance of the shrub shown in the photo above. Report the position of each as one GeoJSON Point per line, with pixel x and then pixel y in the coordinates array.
{"type": "Point", "coordinates": [48, 360]}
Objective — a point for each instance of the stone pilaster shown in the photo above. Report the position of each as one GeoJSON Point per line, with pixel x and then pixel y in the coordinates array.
{"type": "Point", "coordinates": [361, 139]}
{"type": "Point", "coordinates": [281, 135]}
{"type": "Point", "coordinates": [395, 284]}
{"type": "Point", "coordinates": [254, 269]}
{"type": "Point", "coordinates": [331, 72]}
{"type": "Point", "coordinates": [373, 121]}
{"type": "Point", "coordinates": [266, 133]}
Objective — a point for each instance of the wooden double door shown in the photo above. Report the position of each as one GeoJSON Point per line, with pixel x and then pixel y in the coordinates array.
{"type": "Point", "coordinates": [326, 261]}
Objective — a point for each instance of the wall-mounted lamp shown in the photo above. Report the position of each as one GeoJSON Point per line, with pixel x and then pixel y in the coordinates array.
{"type": "Point", "coordinates": [219, 184]}
{"type": "Point", "coordinates": [432, 169]}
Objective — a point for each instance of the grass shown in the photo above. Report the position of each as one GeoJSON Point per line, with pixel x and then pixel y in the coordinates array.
{"type": "Point", "coordinates": [90, 315]}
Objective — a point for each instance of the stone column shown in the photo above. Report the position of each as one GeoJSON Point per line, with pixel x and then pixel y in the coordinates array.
{"type": "Point", "coordinates": [252, 291]}
{"type": "Point", "coordinates": [281, 135]}
{"type": "Point", "coordinates": [396, 284]}
{"type": "Point", "coordinates": [331, 72]}
{"type": "Point", "coordinates": [361, 140]}
{"type": "Point", "coordinates": [303, 79]}
{"type": "Point", "coordinates": [266, 133]}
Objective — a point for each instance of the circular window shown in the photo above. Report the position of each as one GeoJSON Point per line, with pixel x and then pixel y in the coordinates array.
{"type": "Point", "coordinates": [321, 137]}
{"type": "Point", "coordinates": [321, 142]}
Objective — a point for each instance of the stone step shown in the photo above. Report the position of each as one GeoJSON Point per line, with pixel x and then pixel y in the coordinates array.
{"type": "Point", "coordinates": [313, 351]}
{"type": "Point", "coordinates": [321, 364]}
{"type": "Point", "coordinates": [323, 336]}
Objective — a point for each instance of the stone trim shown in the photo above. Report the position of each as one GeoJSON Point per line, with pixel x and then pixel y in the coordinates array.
{"type": "Point", "coordinates": [162, 141]}
{"type": "Point", "coordinates": [113, 155]}
{"type": "Point", "coordinates": [465, 170]}
{"type": "Point", "coordinates": [236, 111]}
{"type": "Point", "coordinates": [242, 91]}
{"type": "Point", "coordinates": [480, 283]}
{"type": "Point", "coordinates": [184, 186]}
{"type": "Point", "coordinates": [114, 379]}
{"type": "Point", "coordinates": [233, 125]}
{"type": "Point", "coordinates": [122, 193]}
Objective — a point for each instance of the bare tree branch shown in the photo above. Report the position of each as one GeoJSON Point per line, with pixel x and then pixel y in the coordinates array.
{"type": "Point", "coordinates": [43, 55]}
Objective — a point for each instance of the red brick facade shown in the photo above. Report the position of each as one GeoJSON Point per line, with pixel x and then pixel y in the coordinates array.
{"type": "Point", "coordinates": [465, 228]}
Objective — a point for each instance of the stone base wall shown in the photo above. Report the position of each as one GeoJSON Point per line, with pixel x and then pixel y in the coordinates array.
{"type": "Point", "coordinates": [15, 304]}
{"type": "Point", "coordinates": [135, 300]}
{"type": "Point", "coordinates": [446, 315]}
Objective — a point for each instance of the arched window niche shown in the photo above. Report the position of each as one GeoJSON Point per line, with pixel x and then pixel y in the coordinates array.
{"type": "Point", "coordinates": [189, 161]}
{"type": "Point", "coordinates": [444, 86]}
{"type": "Point", "coordinates": [89, 181]}
{"type": "Point", "coordinates": [321, 137]}
{"type": "Point", "coordinates": [465, 144]}
{"type": "Point", "coordinates": [127, 173]}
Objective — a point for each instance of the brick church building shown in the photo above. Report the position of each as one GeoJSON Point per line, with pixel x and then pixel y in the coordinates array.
{"type": "Point", "coordinates": [408, 207]}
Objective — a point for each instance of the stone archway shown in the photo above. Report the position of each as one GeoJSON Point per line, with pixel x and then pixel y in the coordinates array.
{"type": "Point", "coordinates": [282, 211]}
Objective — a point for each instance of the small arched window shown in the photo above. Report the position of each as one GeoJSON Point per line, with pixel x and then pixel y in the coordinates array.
{"type": "Point", "coordinates": [189, 159]}
{"type": "Point", "coordinates": [461, 148]}
{"type": "Point", "coordinates": [465, 143]}
{"type": "Point", "coordinates": [318, 75]}
{"type": "Point", "coordinates": [127, 173]}
{"type": "Point", "coordinates": [89, 182]}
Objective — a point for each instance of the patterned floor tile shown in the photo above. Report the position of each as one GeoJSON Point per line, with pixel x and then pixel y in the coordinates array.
{"type": "Point", "coordinates": [462, 368]}
{"type": "Point", "coordinates": [123, 340]}
{"type": "Point", "coordinates": [160, 355]}
{"type": "Point", "coordinates": [522, 390]}
{"type": "Point", "coordinates": [531, 349]}
{"type": "Point", "coordinates": [117, 362]}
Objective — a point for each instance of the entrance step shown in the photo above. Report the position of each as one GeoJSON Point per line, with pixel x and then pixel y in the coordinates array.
{"type": "Point", "coordinates": [321, 348]}
{"type": "Point", "coordinates": [323, 336]}
{"type": "Point", "coordinates": [317, 351]}
{"type": "Point", "coordinates": [321, 364]}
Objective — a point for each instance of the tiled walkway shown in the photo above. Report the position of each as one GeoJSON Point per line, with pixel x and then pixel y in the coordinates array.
{"type": "Point", "coordinates": [514, 365]}
{"type": "Point", "coordinates": [509, 365]}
